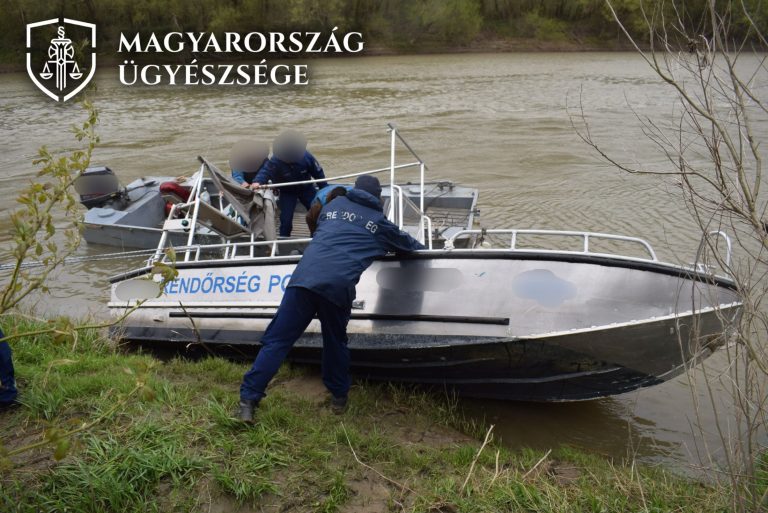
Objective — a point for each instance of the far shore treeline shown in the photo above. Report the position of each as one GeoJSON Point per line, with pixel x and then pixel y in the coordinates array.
{"type": "Point", "coordinates": [386, 25]}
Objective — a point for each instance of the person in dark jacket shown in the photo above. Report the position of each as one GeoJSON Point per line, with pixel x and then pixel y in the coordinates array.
{"type": "Point", "coordinates": [8, 391]}
{"type": "Point", "coordinates": [291, 162]}
{"type": "Point", "coordinates": [322, 198]}
{"type": "Point", "coordinates": [352, 231]}
{"type": "Point", "coordinates": [246, 160]}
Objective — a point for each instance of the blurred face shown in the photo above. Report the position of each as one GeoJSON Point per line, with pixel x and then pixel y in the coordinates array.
{"type": "Point", "coordinates": [248, 155]}
{"type": "Point", "coordinates": [290, 146]}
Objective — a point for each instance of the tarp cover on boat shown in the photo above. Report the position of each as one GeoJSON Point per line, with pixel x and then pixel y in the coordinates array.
{"type": "Point", "coordinates": [257, 208]}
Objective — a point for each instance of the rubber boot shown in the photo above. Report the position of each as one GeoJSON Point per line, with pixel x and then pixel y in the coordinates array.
{"type": "Point", "coordinates": [247, 410]}
{"type": "Point", "coordinates": [339, 405]}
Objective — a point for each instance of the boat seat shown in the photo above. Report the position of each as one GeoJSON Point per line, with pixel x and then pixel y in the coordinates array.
{"type": "Point", "coordinates": [213, 219]}
{"type": "Point", "coordinates": [174, 192]}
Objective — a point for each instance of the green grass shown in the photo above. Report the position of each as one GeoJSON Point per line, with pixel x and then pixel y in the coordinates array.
{"type": "Point", "coordinates": [177, 449]}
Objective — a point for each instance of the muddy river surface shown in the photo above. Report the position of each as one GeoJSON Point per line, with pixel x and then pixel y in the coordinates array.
{"type": "Point", "coordinates": [497, 122]}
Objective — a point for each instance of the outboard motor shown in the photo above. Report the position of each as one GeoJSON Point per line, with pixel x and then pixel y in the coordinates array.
{"type": "Point", "coordinates": [98, 186]}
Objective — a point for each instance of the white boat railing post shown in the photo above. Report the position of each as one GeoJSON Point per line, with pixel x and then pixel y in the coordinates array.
{"type": "Point", "coordinates": [392, 142]}
{"type": "Point", "coordinates": [421, 208]}
{"type": "Point", "coordinates": [163, 239]}
{"type": "Point", "coordinates": [423, 218]}
{"type": "Point", "coordinates": [195, 210]}
{"type": "Point", "coordinates": [398, 218]}
{"type": "Point", "coordinates": [194, 192]}
{"type": "Point", "coordinates": [702, 266]}
{"type": "Point", "coordinates": [428, 240]}
{"type": "Point", "coordinates": [730, 247]}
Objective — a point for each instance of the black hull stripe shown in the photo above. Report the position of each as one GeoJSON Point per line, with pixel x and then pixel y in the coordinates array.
{"type": "Point", "coordinates": [495, 321]}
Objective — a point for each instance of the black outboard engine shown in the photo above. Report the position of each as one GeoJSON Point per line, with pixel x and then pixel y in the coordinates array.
{"type": "Point", "coordinates": [98, 186]}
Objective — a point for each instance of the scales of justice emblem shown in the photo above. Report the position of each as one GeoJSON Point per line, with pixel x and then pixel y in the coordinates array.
{"type": "Point", "coordinates": [60, 66]}
{"type": "Point", "coordinates": [61, 54]}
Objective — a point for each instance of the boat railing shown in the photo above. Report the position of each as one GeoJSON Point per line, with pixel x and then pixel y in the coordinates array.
{"type": "Point", "coordinates": [586, 237]}
{"type": "Point", "coordinates": [397, 215]}
{"type": "Point", "coordinates": [395, 212]}
{"type": "Point", "coordinates": [427, 222]}
{"type": "Point", "coordinates": [231, 250]}
{"type": "Point", "coordinates": [701, 265]}
{"type": "Point", "coordinates": [186, 215]}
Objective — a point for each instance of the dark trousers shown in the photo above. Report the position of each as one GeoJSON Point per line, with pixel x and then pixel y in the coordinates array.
{"type": "Point", "coordinates": [7, 381]}
{"type": "Point", "coordinates": [298, 307]}
{"type": "Point", "coordinates": [287, 203]}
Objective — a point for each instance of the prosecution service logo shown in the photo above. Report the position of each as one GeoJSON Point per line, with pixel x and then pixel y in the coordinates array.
{"type": "Point", "coordinates": [61, 57]}
{"type": "Point", "coordinates": [55, 65]}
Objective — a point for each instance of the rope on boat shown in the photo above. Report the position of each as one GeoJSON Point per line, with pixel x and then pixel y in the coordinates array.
{"type": "Point", "coordinates": [90, 258]}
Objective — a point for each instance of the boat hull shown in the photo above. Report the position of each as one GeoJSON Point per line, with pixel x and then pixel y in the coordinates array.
{"type": "Point", "coordinates": [502, 325]}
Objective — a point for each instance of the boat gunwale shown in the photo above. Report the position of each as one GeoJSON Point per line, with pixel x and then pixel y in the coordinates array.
{"type": "Point", "coordinates": [480, 254]}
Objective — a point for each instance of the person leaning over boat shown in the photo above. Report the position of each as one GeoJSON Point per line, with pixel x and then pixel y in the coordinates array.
{"type": "Point", "coordinates": [246, 159]}
{"type": "Point", "coordinates": [352, 231]}
{"type": "Point", "coordinates": [291, 162]}
{"type": "Point", "coordinates": [8, 391]}
{"type": "Point", "coordinates": [322, 198]}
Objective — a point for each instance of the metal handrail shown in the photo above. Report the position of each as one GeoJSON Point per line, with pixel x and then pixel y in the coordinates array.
{"type": "Point", "coordinates": [340, 177]}
{"type": "Point", "coordinates": [701, 266]}
{"type": "Point", "coordinates": [396, 133]}
{"type": "Point", "coordinates": [195, 209]}
{"type": "Point", "coordinates": [423, 218]}
{"type": "Point", "coordinates": [426, 240]}
{"type": "Point", "coordinates": [191, 207]}
{"type": "Point", "coordinates": [395, 187]}
{"type": "Point", "coordinates": [231, 255]}
{"type": "Point", "coordinates": [449, 244]}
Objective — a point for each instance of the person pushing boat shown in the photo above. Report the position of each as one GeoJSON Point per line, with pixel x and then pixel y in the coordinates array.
{"type": "Point", "coordinates": [352, 231]}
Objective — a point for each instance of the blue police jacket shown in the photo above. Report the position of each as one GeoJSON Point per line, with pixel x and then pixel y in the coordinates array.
{"type": "Point", "coordinates": [322, 195]}
{"type": "Point", "coordinates": [352, 231]}
{"type": "Point", "coordinates": [308, 168]}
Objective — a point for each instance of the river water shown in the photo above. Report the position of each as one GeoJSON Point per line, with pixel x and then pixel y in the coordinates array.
{"type": "Point", "coordinates": [498, 122]}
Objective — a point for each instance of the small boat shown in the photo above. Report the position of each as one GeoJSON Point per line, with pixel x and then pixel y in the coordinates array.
{"type": "Point", "coordinates": [131, 216]}
{"type": "Point", "coordinates": [514, 320]}
{"type": "Point", "coordinates": [134, 216]}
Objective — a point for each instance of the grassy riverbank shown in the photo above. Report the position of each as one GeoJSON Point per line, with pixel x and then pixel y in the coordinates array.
{"type": "Point", "coordinates": [172, 446]}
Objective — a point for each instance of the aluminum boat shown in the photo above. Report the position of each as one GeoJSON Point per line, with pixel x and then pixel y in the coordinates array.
{"type": "Point", "coordinates": [489, 313]}
{"type": "Point", "coordinates": [133, 216]}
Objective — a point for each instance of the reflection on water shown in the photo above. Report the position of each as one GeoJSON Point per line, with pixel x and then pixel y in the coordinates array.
{"type": "Point", "coordinates": [605, 426]}
{"type": "Point", "coordinates": [660, 424]}
{"type": "Point", "coordinates": [496, 122]}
